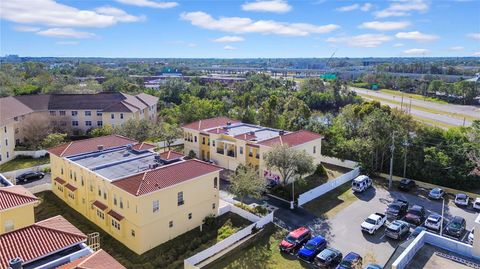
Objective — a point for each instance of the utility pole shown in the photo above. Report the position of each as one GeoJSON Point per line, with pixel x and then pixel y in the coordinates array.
{"type": "Point", "coordinates": [392, 149]}
{"type": "Point", "coordinates": [292, 203]}
{"type": "Point", "coordinates": [405, 158]}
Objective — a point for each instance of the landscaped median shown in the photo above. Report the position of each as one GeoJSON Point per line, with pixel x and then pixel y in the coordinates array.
{"type": "Point", "coordinates": [168, 255]}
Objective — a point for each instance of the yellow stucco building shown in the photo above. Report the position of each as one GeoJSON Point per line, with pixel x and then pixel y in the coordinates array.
{"type": "Point", "coordinates": [139, 197]}
{"type": "Point", "coordinates": [229, 143]}
{"type": "Point", "coordinates": [16, 208]}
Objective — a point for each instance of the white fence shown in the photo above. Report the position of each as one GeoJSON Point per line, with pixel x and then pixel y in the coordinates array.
{"type": "Point", "coordinates": [338, 162]}
{"type": "Point", "coordinates": [229, 241]}
{"type": "Point", "coordinates": [324, 188]}
{"type": "Point", "coordinates": [31, 153]}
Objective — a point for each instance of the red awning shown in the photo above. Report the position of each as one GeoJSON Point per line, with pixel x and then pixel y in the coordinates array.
{"type": "Point", "coordinates": [60, 181]}
{"type": "Point", "coordinates": [71, 187]}
{"type": "Point", "coordinates": [115, 215]}
{"type": "Point", "coordinates": [100, 205]}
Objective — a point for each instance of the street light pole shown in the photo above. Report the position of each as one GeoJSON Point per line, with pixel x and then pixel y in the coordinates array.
{"type": "Point", "coordinates": [293, 196]}
{"type": "Point", "coordinates": [441, 223]}
{"type": "Point", "coordinates": [392, 149]}
{"type": "Point", "coordinates": [405, 159]}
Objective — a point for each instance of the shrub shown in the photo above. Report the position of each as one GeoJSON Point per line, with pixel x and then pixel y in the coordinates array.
{"type": "Point", "coordinates": [47, 170]}
{"type": "Point", "coordinates": [210, 220]}
{"type": "Point", "coordinates": [320, 170]}
{"type": "Point", "coordinates": [226, 230]}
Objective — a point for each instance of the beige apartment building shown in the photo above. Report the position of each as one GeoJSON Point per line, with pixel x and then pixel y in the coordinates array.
{"type": "Point", "coordinates": [71, 113]}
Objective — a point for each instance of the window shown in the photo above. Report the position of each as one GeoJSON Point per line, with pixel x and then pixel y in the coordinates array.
{"type": "Point", "coordinates": [215, 183]}
{"type": "Point", "coordinates": [100, 214]}
{"type": "Point", "coordinates": [121, 115]}
{"type": "Point", "coordinates": [250, 152]}
{"type": "Point", "coordinates": [75, 176]}
{"type": "Point", "coordinates": [8, 154]}
{"type": "Point", "coordinates": [112, 116]}
{"type": "Point", "coordinates": [62, 113]}
{"type": "Point", "coordinates": [71, 174]}
{"type": "Point", "coordinates": [17, 130]}
{"type": "Point", "coordinates": [74, 113]}
{"type": "Point", "coordinates": [241, 150]}
{"type": "Point", "coordinates": [88, 113]}
{"type": "Point", "coordinates": [74, 123]}
{"type": "Point", "coordinates": [314, 149]}
{"type": "Point", "coordinates": [132, 233]}
{"type": "Point", "coordinates": [195, 139]}
{"type": "Point", "coordinates": [88, 123]}
{"type": "Point", "coordinates": [121, 202]}
{"type": "Point", "coordinates": [60, 188]}
{"type": "Point", "coordinates": [53, 113]}
{"type": "Point", "coordinates": [91, 188]}
{"type": "Point", "coordinates": [156, 206]}
{"type": "Point", "coordinates": [71, 195]}
{"type": "Point", "coordinates": [99, 114]}
{"type": "Point", "coordinates": [203, 140]}
{"type": "Point", "coordinates": [83, 183]}
{"type": "Point", "coordinates": [213, 206]}
{"type": "Point", "coordinates": [5, 128]}
{"type": "Point", "coordinates": [116, 224]}
{"type": "Point", "coordinates": [189, 215]}
{"type": "Point", "coordinates": [257, 155]}
{"type": "Point", "coordinates": [100, 123]}
{"type": "Point", "coordinates": [170, 224]}
{"type": "Point", "coordinates": [0, 157]}
{"type": "Point", "coordinates": [6, 142]}
{"type": "Point", "coordinates": [115, 199]}
{"type": "Point", "coordinates": [180, 200]}
{"type": "Point", "coordinates": [9, 225]}
{"type": "Point", "coordinates": [99, 191]}
{"type": "Point", "coordinates": [105, 195]}
{"type": "Point", "coordinates": [61, 170]}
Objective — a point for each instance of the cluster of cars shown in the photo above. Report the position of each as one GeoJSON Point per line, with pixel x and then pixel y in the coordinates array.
{"type": "Point", "coordinates": [314, 250]}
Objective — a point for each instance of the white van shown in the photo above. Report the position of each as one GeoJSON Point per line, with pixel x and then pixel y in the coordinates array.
{"type": "Point", "coordinates": [361, 183]}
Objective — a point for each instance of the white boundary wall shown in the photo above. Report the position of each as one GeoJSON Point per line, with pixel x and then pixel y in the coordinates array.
{"type": "Point", "coordinates": [338, 162]}
{"type": "Point", "coordinates": [234, 238]}
{"type": "Point", "coordinates": [324, 188]}
{"type": "Point", "coordinates": [31, 153]}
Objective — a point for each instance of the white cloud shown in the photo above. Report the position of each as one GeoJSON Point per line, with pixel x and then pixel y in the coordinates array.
{"type": "Point", "coordinates": [348, 8]}
{"type": "Point", "coordinates": [363, 41]}
{"type": "Point", "coordinates": [65, 32]}
{"type": "Point", "coordinates": [397, 45]}
{"type": "Point", "coordinates": [417, 36]}
{"type": "Point", "coordinates": [457, 48]}
{"type": "Point", "coordinates": [51, 13]}
{"type": "Point", "coordinates": [474, 36]}
{"type": "Point", "coordinates": [401, 8]}
{"type": "Point", "coordinates": [148, 3]}
{"type": "Point", "coordinates": [26, 28]}
{"type": "Point", "coordinates": [191, 45]}
{"type": "Point", "coordinates": [416, 51]}
{"type": "Point", "coordinates": [247, 25]}
{"type": "Point", "coordinates": [225, 39]}
{"type": "Point", "coordinates": [385, 25]}
{"type": "Point", "coordinates": [476, 53]}
{"type": "Point", "coordinates": [276, 6]}
{"type": "Point", "coordinates": [67, 43]}
{"type": "Point", "coordinates": [364, 7]}
{"type": "Point", "coordinates": [229, 48]}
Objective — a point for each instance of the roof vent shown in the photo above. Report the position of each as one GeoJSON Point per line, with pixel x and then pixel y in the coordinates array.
{"type": "Point", "coordinates": [158, 158]}
{"type": "Point", "coordinates": [229, 123]}
{"type": "Point", "coordinates": [281, 132]}
{"type": "Point", "coordinates": [129, 146]}
{"type": "Point", "coordinates": [15, 263]}
{"type": "Point", "coordinates": [100, 147]}
{"type": "Point", "coordinates": [251, 133]}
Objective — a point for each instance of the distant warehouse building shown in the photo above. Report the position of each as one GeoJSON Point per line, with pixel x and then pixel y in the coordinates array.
{"type": "Point", "coordinates": [71, 113]}
{"type": "Point", "coordinates": [140, 197]}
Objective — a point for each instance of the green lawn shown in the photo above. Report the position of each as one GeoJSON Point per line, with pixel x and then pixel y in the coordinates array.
{"type": "Point", "coordinates": [329, 204]}
{"type": "Point", "coordinates": [168, 255]}
{"type": "Point", "coordinates": [260, 253]}
{"type": "Point", "coordinates": [21, 163]}
{"type": "Point", "coordinates": [414, 96]}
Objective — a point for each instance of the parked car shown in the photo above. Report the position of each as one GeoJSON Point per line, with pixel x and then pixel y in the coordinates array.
{"type": "Point", "coordinates": [373, 266]}
{"type": "Point", "coordinates": [461, 199]}
{"type": "Point", "coordinates": [351, 261]}
{"type": "Point", "coordinates": [415, 215]}
{"type": "Point", "coordinates": [396, 209]}
{"type": "Point", "coordinates": [312, 248]}
{"type": "Point", "coordinates": [28, 176]}
{"type": "Point", "coordinates": [436, 193]}
{"type": "Point", "coordinates": [416, 232]}
{"type": "Point", "coordinates": [361, 183]}
{"type": "Point", "coordinates": [295, 240]}
{"type": "Point", "coordinates": [471, 235]}
{"type": "Point", "coordinates": [406, 184]}
{"type": "Point", "coordinates": [456, 227]}
{"type": "Point", "coordinates": [434, 222]}
{"type": "Point", "coordinates": [373, 223]}
{"type": "Point", "coordinates": [328, 258]}
{"type": "Point", "coordinates": [397, 229]}
{"type": "Point", "coordinates": [476, 204]}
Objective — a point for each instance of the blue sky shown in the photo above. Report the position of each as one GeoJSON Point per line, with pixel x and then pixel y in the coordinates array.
{"type": "Point", "coordinates": [249, 28]}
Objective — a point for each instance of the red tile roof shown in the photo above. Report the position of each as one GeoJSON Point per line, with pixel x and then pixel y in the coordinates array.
{"type": "Point", "coordinates": [100, 205]}
{"type": "Point", "coordinates": [165, 176]}
{"type": "Point", "coordinates": [38, 240]}
{"type": "Point", "coordinates": [209, 123]}
{"type": "Point", "coordinates": [97, 260]}
{"type": "Point", "coordinates": [90, 145]}
{"type": "Point", "coordinates": [115, 215]}
{"type": "Point", "coordinates": [292, 139]}
{"type": "Point", "coordinates": [15, 196]}
{"type": "Point", "coordinates": [60, 181]}
{"type": "Point", "coordinates": [170, 155]}
{"type": "Point", "coordinates": [245, 136]}
{"type": "Point", "coordinates": [143, 146]}
{"type": "Point", "coordinates": [70, 187]}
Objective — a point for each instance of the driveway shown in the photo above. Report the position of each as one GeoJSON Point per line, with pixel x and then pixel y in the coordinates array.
{"type": "Point", "coordinates": [37, 182]}
{"type": "Point", "coordinates": [343, 230]}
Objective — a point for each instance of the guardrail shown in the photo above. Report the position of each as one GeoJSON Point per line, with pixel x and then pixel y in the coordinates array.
{"type": "Point", "coordinates": [324, 188]}
{"type": "Point", "coordinates": [191, 262]}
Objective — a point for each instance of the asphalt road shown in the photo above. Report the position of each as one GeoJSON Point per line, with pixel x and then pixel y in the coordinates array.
{"type": "Point", "coordinates": [343, 231]}
{"type": "Point", "coordinates": [470, 111]}
{"type": "Point", "coordinates": [37, 182]}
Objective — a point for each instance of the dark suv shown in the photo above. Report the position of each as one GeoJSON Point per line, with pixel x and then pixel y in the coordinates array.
{"type": "Point", "coordinates": [415, 215]}
{"type": "Point", "coordinates": [406, 184]}
{"type": "Point", "coordinates": [295, 240]}
{"type": "Point", "coordinates": [396, 209]}
{"type": "Point", "coordinates": [28, 176]}
{"type": "Point", "coordinates": [456, 227]}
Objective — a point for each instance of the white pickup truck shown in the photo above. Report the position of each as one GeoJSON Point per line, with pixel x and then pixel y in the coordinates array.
{"type": "Point", "coordinates": [373, 223]}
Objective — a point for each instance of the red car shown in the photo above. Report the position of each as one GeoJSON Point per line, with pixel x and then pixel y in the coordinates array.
{"type": "Point", "coordinates": [295, 240]}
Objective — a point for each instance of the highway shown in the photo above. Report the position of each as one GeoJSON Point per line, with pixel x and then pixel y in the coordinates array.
{"type": "Point", "coordinates": [444, 114]}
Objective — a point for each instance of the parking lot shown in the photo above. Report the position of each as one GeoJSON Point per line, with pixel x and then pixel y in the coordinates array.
{"type": "Point", "coordinates": [343, 230]}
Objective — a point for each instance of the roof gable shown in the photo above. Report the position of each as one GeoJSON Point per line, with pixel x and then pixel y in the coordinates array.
{"type": "Point", "coordinates": [97, 260]}
{"type": "Point", "coordinates": [292, 139]}
{"type": "Point", "coordinates": [90, 145]}
{"type": "Point", "coordinates": [15, 196]}
{"type": "Point", "coordinates": [209, 123]}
